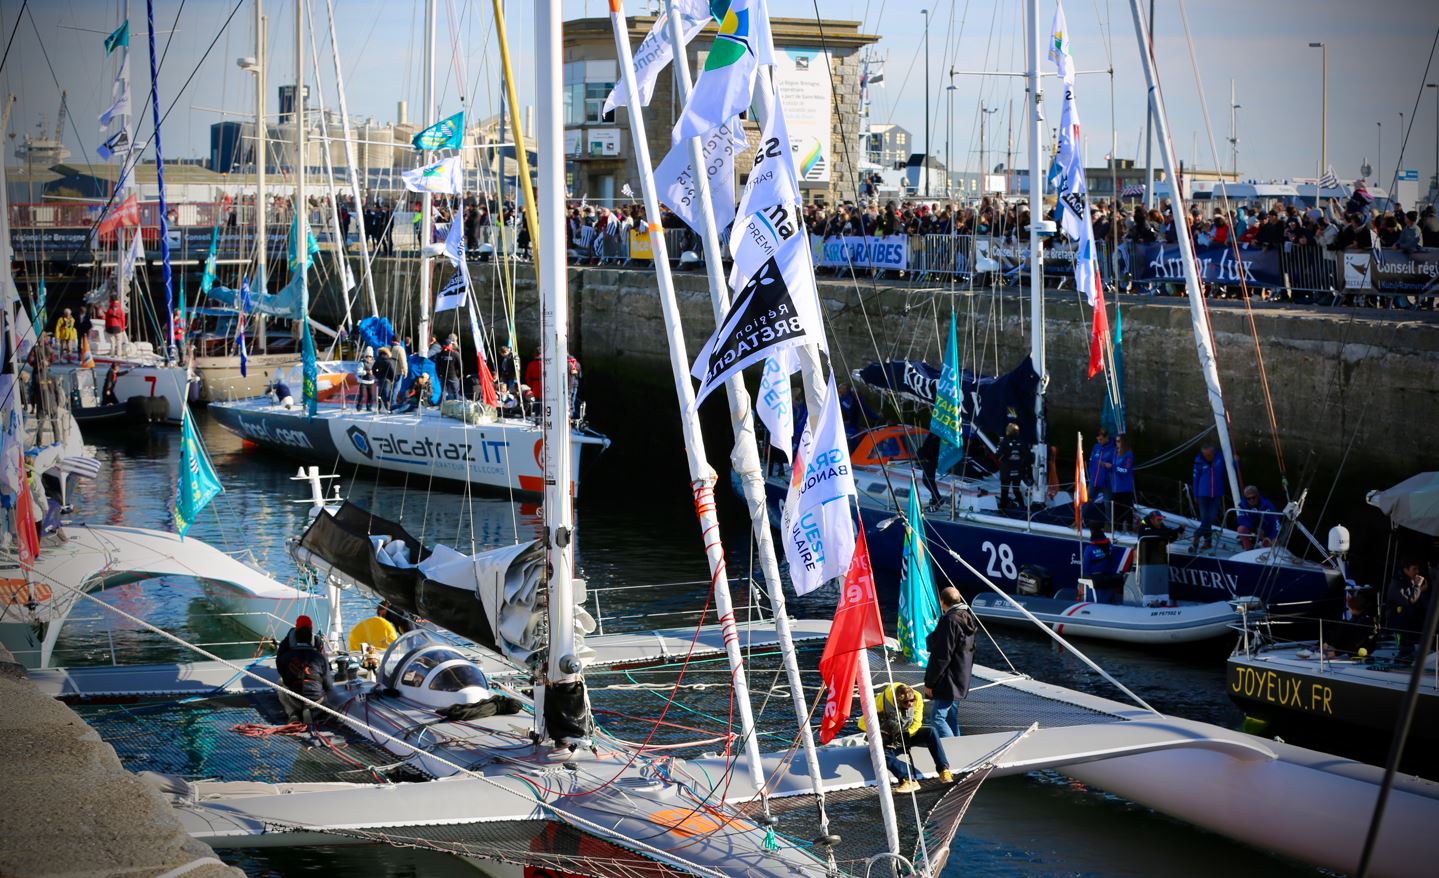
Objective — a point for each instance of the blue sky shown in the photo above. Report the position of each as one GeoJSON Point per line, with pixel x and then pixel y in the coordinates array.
{"type": "Point", "coordinates": [1377, 56]}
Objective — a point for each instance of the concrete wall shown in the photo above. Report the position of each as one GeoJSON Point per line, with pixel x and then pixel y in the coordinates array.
{"type": "Point", "coordinates": [1338, 378]}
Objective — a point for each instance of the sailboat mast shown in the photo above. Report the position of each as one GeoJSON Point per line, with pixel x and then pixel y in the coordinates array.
{"type": "Point", "coordinates": [746, 451]}
{"type": "Point", "coordinates": [302, 215]}
{"type": "Point", "coordinates": [1036, 249]}
{"type": "Point", "coordinates": [427, 219]}
{"type": "Point", "coordinates": [262, 154]}
{"type": "Point", "coordinates": [1198, 314]}
{"type": "Point", "coordinates": [352, 173]}
{"type": "Point", "coordinates": [562, 687]}
{"type": "Point", "coordinates": [702, 475]}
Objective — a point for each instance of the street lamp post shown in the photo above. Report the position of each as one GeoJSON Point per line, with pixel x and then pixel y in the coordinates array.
{"type": "Point", "coordinates": [1323, 114]}
{"type": "Point", "coordinates": [984, 114]}
{"type": "Point", "coordinates": [924, 165]}
{"type": "Point", "coordinates": [1379, 154]}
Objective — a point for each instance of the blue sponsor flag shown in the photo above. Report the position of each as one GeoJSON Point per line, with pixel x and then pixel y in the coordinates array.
{"type": "Point", "coordinates": [918, 605]}
{"type": "Point", "coordinates": [946, 419]}
{"type": "Point", "coordinates": [240, 333]}
{"type": "Point", "coordinates": [207, 280]}
{"type": "Point", "coordinates": [447, 133]}
{"type": "Point", "coordinates": [119, 37]}
{"type": "Point", "coordinates": [198, 484]}
{"type": "Point", "coordinates": [310, 383]}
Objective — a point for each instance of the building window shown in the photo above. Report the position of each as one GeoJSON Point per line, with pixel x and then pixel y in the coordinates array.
{"type": "Point", "coordinates": [595, 94]}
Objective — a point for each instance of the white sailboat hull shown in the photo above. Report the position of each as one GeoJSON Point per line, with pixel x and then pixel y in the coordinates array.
{"type": "Point", "coordinates": [220, 377]}
{"type": "Point", "coordinates": [1186, 623]}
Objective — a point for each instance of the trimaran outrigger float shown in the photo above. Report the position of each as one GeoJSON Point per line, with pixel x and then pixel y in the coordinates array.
{"type": "Point", "coordinates": [524, 777]}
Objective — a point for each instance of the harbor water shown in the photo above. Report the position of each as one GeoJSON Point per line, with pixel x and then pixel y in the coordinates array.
{"type": "Point", "coordinates": [640, 553]}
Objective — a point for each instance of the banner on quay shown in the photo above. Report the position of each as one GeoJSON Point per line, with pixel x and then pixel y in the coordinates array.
{"type": "Point", "coordinates": [1162, 263]}
{"type": "Point", "coordinates": [1409, 274]}
{"type": "Point", "coordinates": [1004, 256]}
{"type": "Point", "coordinates": [859, 251]}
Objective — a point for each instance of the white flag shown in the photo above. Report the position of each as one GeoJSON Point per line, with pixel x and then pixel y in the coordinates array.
{"type": "Point", "coordinates": [775, 401]}
{"type": "Point", "coordinates": [444, 177]}
{"type": "Point", "coordinates": [778, 308]}
{"type": "Point", "coordinates": [768, 209]}
{"type": "Point", "coordinates": [655, 52]}
{"type": "Point", "coordinates": [133, 257]}
{"type": "Point", "coordinates": [679, 187]}
{"type": "Point", "coordinates": [816, 527]}
{"type": "Point", "coordinates": [1067, 172]}
{"type": "Point", "coordinates": [119, 92]}
{"type": "Point", "coordinates": [452, 294]}
{"type": "Point", "coordinates": [726, 84]}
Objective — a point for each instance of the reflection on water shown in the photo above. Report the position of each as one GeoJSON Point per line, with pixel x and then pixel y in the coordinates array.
{"type": "Point", "coordinates": [634, 530]}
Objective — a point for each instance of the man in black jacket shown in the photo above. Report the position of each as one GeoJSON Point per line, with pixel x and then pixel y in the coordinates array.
{"type": "Point", "coordinates": [951, 658]}
{"type": "Point", "coordinates": [303, 668]}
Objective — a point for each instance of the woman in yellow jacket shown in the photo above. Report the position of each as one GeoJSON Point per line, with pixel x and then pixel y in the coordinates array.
{"type": "Point", "coordinates": [65, 335]}
{"type": "Point", "coordinates": [901, 728]}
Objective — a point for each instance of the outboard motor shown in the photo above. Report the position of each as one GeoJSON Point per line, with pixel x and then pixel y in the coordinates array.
{"type": "Point", "coordinates": [1149, 587]}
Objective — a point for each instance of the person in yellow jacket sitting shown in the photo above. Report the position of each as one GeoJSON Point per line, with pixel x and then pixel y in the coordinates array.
{"type": "Point", "coordinates": [370, 638]}
{"type": "Point", "coordinates": [901, 728]}
{"type": "Point", "coordinates": [65, 334]}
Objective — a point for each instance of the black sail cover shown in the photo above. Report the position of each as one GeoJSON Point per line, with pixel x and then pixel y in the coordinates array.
{"type": "Point", "coordinates": [495, 598]}
{"type": "Point", "coordinates": [990, 402]}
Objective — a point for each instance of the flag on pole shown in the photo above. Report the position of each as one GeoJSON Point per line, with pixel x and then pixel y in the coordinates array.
{"type": "Point", "coordinates": [655, 51]}
{"type": "Point", "coordinates": [1081, 485]}
{"type": "Point", "coordinates": [1113, 415]}
{"type": "Point", "coordinates": [309, 369]}
{"type": "Point", "coordinates": [918, 605]}
{"type": "Point", "coordinates": [1067, 173]}
{"type": "Point", "coordinates": [1329, 180]}
{"type": "Point", "coordinates": [775, 402]}
{"type": "Point", "coordinates": [677, 183]}
{"type": "Point", "coordinates": [816, 525]}
{"type": "Point", "coordinates": [27, 535]}
{"type": "Point", "coordinates": [311, 245]}
{"type": "Point", "coordinates": [448, 133]}
{"type": "Point", "coordinates": [444, 177]}
{"type": "Point", "coordinates": [114, 143]}
{"type": "Point", "coordinates": [452, 294]}
{"type": "Point", "coordinates": [726, 83]}
{"type": "Point", "coordinates": [126, 214]}
{"type": "Point", "coordinates": [198, 483]}
{"type": "Point", "coordinates": [119, 37]}
{"type": "Point", "coordinates": [207, 278]}
{"type": "Point", "coordinates": [947, 416]}
{"type": "Point", "coordinates": [768, 210]}
{"type": "Point", "coordinates": [483, 375]}
{"type": "Point", "coordinates": [42, 316]}
{"type": "Point", "coordinates": [857, 626]}
{"type": "Point", "coordinates": [777, 309]}
{"type": "Point", "coordinates": [244, 315]}
{"type": "Point", "coordinates": [134, 256]}
{"type": "Point", "coordinates": [119, 90]}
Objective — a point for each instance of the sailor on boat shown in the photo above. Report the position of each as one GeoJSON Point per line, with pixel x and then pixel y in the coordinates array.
{"type": "Point", "coordinates": [1016, 460]}
{"type": "Point", "coordinates": [951, 659]}
{"type": "Point", "coordinates": [1257, 515]}
{"type": "Point", "coordinates": [303, 668]}
{"type": "Point", "coordinates": [900, 710]}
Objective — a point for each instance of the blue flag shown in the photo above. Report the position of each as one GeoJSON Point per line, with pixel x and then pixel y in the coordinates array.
{"type": "Point", "coordinates": [946, 419]}
{"type": "Point", "coordinates": [918, 605]}
{"type": "Point", "coordinates": [445, 134]}
{"type": "Point", "coordinates": [311, 245]}
{"type": "Point", "coordinates": [119, 37]}
{"type": "Point", "coordinates": [41, 317]}
{"type": "Point", "coordinates": [1113, 416]}
{"type": "Point", "coordinates": [198, 484]}
{"type": "Point", "coordinates": [310, 383]}
{"type": "Point", "coordinates": [240, 333]}
{"type": "Point", "coordinates": [207, 280]}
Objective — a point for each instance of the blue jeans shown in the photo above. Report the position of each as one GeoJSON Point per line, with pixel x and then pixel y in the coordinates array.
{"type": "Point", "coordinates": [943, 723]}
{"type": "Point", "coordinates": [1209, 510]}
{"type": "Point", "coordinates": [898, 767]}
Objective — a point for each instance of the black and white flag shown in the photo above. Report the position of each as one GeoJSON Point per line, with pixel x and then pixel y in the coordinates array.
{"type": "Point", "coordinates": [452, 294]}
{"type": "Point", "coordinates": [778, 308]}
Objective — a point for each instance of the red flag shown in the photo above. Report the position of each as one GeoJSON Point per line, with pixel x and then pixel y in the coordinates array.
{"type": "Point", "coordinates": [856, 626]}
{"type": "Point", "coordinates": [487, 383]}
{"type": "Point", "coordinates": [127, 213]}
{"type": "Point", "coordinates": [1081, 485]}
{"type": "Point", "coordinates": [25, 532]}
{"type": "Point", "coordinates": [1099, 333]}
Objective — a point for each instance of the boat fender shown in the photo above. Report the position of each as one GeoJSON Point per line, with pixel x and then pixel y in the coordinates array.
{"type": "Point", "coordinates": [498, 705]}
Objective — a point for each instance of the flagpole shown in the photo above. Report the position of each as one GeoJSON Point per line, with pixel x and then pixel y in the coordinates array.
{"type": "Point", "coordinates": [702, 476]}
{"type": "Point", "coordinates": [1036, 254]}
{"type": "Point", "coordinates": [745, 457]}
{"type": "Point", "coordinates": [262, 158]}
{"type": "Point", "coordinates": [1198, 313]}
{"type": "Point", "coordinates": [422, 342]}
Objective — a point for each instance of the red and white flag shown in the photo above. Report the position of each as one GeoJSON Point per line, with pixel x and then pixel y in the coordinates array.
{"type": "Point", "coordinates": [1081, 484]}
{"type": "Point", "coordinates": [26, 535]}
{"type": "Point", "coordinates": [857, 626]}
{"type": "Point", "coordinates": [127, 213]}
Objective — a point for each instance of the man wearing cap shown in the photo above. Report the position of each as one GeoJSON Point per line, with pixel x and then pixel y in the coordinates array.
{"type": "Point", "coordinates": [303, 668]}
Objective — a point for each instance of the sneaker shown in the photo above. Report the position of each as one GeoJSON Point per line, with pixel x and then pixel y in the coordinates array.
{"type": "Point", "coordinates": [906, 786]}
{"type": "Point", "coordinates": [946, 776]}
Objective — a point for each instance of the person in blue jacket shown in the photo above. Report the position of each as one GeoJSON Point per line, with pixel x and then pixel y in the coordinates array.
{"type": "Point", "coordinates": [1252, 519]}
{"type": "Point", "coordinates": [1208, 485]}
{"type": "Point", "coordinates": [1122, 483]}
{"type": "Point", "coordinates": [1101, 477]}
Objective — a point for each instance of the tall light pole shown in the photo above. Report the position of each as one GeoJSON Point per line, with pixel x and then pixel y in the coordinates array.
{"type": "Point", "coordinates": [1323, 114]}
{"type": "Point", "coordinates": [1234, 109]}
{"type": "Point", "coordinates": [924, 166]}
{"type": "Point", "coordinates": [984, 114]}
{"type": "Point", "coordinates": [1395, 176]}
{"type": "Point", "coordinates": [1379, 155]}
{"type": "Point", "coordinates": [1435, 86]}
{"type": "Point", "coordinates": [949, 136]}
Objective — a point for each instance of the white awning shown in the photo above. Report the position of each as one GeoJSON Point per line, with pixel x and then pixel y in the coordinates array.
{"type": "Point", "coordinates": [1413, 503]}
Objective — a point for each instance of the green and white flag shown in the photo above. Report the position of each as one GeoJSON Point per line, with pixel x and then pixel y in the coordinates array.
{"type": "Point", "coordinates": [726, 84]}
{"type": "Point", "coordinates": [198, 483]}
{"type": "Point", "coordinates": [444, 177]}
{"type": "Point", "coordinates": [448, 133]}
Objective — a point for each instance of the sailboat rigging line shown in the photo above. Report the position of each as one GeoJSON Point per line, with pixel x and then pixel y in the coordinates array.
{"type": "Point", "coordinates": [13, 31]}
{"type": "Point", "coordinates": [1413, 114]}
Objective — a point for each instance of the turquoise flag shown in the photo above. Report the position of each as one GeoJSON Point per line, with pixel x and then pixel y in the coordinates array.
{"type": "Point", "coordinates": [310, 383]}
{"type": "Point", "coordinates": [120, 37]}
{"type": "Point", "coordinates": [946, 420]}
{"type": "Point", "coordinates": [445, 134]}
{"type": "Point", "coordinates": [311, 245]}
{"type": "Point", "coordinates": [1113, 416]}
{"type": "Point", "coordinates": [918, 605]}
{"type": "Point", "coordinates": [207, 280]}
{"type": "Point", "coordinates": [198, 484]}
{"type": "Point", "coordinates": [41, 317]}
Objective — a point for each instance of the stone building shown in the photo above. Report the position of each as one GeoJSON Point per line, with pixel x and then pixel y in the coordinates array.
{"type": "Point", "coordinates": [599, 160]}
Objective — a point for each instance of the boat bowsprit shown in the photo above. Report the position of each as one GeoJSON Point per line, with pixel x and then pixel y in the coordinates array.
{"type": "Point", "coordinates": [499, 453]}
